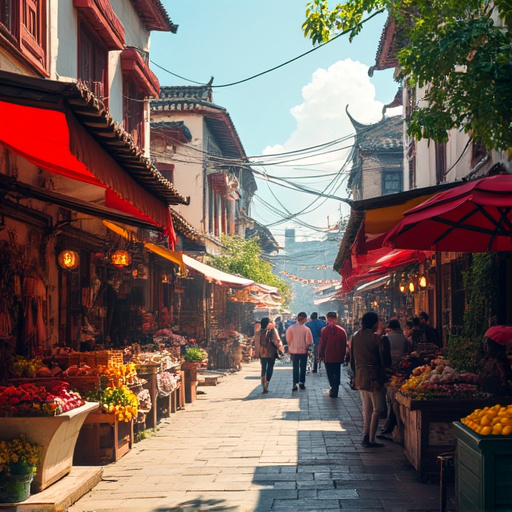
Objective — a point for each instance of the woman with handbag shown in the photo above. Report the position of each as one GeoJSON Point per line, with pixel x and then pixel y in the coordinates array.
{"type": "Point", "coordinates": [268, 347]}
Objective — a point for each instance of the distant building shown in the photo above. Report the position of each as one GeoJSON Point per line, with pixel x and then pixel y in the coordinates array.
{"type": "Point", "coordinates": [377, 164]}
{"type": "Point", "coordinates": [194, 142]}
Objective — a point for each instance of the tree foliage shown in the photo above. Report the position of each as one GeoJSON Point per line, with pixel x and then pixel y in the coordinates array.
{"type": "Point", "coordinates": [456, 49]}
{"type": "Point", "coordinates": [243, 258]}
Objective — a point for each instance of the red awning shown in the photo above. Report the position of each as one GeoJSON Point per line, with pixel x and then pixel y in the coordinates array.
{"type": "Point", "coordinates": [53, 140]}
{"type": "Point", "coordinates": [377, 263]}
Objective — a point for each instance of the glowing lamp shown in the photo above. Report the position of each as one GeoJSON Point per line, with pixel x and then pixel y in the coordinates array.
{"type": "Point", "coordinates": [422, 282]}
{"type": "Point", "coordinates": [69, 260]}
{"type": "Point", "coordinates": [121, 259]}
{"type": "Point", "coordinates": [411, 287]}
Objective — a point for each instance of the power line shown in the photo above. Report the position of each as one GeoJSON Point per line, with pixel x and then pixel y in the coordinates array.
{"type": "Point", "coordinates": [362, 22]}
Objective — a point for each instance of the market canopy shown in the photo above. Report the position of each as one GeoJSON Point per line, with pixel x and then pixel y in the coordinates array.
{"type": "Point", "coordinates": [362, 255]}
{"type": "Point", "coordinates": [62, 128]}
{"type": "Point", "coordinates": [474, 217]}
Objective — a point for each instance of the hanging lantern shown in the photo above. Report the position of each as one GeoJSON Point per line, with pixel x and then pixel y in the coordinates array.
{"type": "Point", "coordinates": [121, 259]}
{"type": "Point", "coordinates": [411, 286]}
{"type": "Point", "coordinates": [403, 285]}
{"type": "Point", "coordinates": [165, 278]}
{"type": "Point", "coordinates": [422, 282]}
{"type": "Point", "coordinates": [69, 260]}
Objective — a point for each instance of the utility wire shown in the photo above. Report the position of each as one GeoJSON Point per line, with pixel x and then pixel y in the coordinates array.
{"type": "Point", "coordinates": [275, 67]}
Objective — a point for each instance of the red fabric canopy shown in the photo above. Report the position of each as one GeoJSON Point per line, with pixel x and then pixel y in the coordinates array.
{"type": "Point", "coordinates": [375, 264]}
{"type": "Point", "coordinates": [473, 217]}
{"type": "Point", "coordinates": [56, 142]}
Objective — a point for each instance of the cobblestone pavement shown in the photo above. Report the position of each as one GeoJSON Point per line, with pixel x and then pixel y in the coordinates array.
{"type": "Point", "coordinates": [235, 449]}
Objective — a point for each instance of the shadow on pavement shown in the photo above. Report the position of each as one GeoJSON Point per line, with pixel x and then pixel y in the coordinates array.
{"type": "Point", "coordinates": [206, 505]}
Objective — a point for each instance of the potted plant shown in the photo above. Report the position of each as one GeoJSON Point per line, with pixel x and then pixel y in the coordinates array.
{"type": "Point", "coordinates": [195, 355]}
{"type": "Point", "coordinates": [18, 461]}
{"type": "Point", "coordinates": [193, 358]}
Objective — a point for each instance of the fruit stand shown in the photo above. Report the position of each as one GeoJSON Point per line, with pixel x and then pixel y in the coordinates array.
{"type": "Point", "coordinates": [428, 399]}
{"type": "Point", "coordinates": [482, 470]}
{"type": "Point", "coordinates": [426, 430]}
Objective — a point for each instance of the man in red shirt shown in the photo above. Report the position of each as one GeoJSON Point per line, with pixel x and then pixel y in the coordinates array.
{"type": "Point", "coordinates": [332, 349]}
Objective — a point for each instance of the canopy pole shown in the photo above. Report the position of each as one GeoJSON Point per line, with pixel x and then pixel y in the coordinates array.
{"type": "Point", "coordinates": [439, 298]}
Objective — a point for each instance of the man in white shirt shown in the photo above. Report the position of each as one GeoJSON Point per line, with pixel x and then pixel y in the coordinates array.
{"type": "Point", "coordinates": [299, 338]}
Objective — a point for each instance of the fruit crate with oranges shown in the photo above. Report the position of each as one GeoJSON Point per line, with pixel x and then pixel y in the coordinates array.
{"type": "Point", "coordinates": [482, 469]}
{"type": "Point", "coordinates": [427, 432]}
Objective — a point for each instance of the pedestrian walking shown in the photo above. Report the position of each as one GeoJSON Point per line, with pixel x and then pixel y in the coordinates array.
{"type": "Point", "coordinates": [268, 346]}
{"type": "Point", "coordinates": [299, 338]}
{"type": "Point", "coordinates": [332, 350]}
{"type": "Point", "coordinates": [316, 325]}
{"type": "Point", "coordinates": [369, 358]}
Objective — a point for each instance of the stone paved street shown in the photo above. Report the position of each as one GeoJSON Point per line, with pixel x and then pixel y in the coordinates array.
{"type": "Point", "coordinates": [235, 449]}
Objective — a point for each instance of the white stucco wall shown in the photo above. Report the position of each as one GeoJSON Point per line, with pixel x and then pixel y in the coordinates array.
{"type": "Point", "coordinates": [188, 162]}
{"type": "Point", "coordinates": [63, 47]}
{"type": "Point", "coordinates": [63, 35]}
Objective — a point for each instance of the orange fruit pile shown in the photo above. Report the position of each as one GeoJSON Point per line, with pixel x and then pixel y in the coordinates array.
{"type": "Point", "coordinates": [495, 420]}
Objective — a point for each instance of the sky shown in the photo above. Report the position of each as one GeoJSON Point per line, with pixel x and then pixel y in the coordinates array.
{"type": "Point", "coordinates": [298, 106]}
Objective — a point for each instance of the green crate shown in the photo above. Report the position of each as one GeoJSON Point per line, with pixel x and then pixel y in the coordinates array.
{"type": "Point", "coordinates": [483, 471]}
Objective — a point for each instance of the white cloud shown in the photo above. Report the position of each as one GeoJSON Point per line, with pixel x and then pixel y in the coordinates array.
{"type": "Point", "coordinates": [321, 118]}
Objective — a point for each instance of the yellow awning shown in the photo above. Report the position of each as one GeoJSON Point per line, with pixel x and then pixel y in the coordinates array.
{"type": "Point", "coordinates": [127, 235]}
{"type": "Point", "coordinates": [174, 256]}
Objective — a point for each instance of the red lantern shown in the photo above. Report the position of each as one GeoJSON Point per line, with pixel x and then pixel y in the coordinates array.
{"type": "Point", "coordinates": [121, 259]}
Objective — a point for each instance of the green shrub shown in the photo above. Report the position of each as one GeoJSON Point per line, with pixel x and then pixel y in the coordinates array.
{"type": "Point", "coordinates": [195, 355]}
{"type": "Point", "coordinates": [465, 354]}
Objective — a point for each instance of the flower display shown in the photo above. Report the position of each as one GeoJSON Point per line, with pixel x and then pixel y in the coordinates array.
{"type": "Point", "coordinates": [18, 456]}
{"type": "Point", "coordinates": [121, 401]}
{"type": "Point", "coordinates": [118, 374]}
{"type": "Point", "coordinates": [495, 420]}
{"type": "Point", "coordinates": [32, 400]}
{"type": "Point", "coordinates": [439, 380]}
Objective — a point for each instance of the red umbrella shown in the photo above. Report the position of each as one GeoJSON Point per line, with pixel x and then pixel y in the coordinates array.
{"type": "Point", "coordinates": [474, 217]}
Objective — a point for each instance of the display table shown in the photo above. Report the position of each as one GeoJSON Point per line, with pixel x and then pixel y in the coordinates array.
{"type": "Point", "coordinates": [56, 434]}
{"type": "Point", "coordinates": [148, 372]}
{"type": "Point", "coordinates": [482, 470]}
{"type": "Point", "coordinates": [103, 439]}
{"type": "Point", "coordinates": [427, 431]}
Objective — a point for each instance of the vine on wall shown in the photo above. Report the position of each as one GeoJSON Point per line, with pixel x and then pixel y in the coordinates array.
{"type": "Point", "coordinates": [465, 352]}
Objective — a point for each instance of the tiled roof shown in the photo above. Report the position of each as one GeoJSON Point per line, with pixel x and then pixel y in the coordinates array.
{"type": "Point", "coordinates": [184, 228]}
{"type": "Point", "coordinates": [385, 135]}
{"type": "Point", "coordinates": [386, 52]}
{"type": "Point", "coordinates": [154, 16]}
{"type": "Point", "coordinates": [178, 127]}
{"type": "Point", "coordinates": [198, 99]}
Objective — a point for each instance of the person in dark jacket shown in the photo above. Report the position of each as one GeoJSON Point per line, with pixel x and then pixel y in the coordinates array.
{"type": "Point", "coordinates": [315, 325]}
{"type": "Point", "coordinates": [331, 350]}
{"type": "Point", "coordinates": [370, 355]}
{"type": "Point", "coordinates": [429, 332]}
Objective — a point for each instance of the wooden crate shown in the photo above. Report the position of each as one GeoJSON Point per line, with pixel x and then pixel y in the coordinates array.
{"type": "Point", "coordinates": [103, 439]}
{"type": "Point", "coordinates": [483, 470]}
{"type": "Point", "coordinates": [427, 431]}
